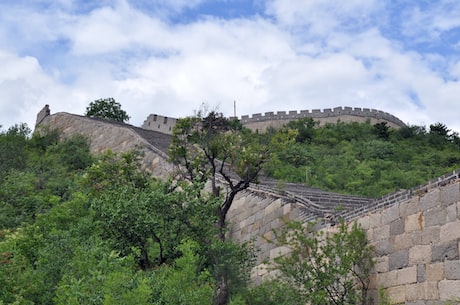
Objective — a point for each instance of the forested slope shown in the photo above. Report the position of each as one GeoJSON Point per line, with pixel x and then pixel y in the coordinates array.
{"type": "Point", "coordinates": [364, 159]}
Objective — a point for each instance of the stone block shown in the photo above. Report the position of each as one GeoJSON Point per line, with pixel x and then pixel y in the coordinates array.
{"type": "Point", "coordinates": [409, 207]}
{"type": "Point", "coordinates": [452, 270]}
{"type": "Point", "coordinates": [364, 222]}
{"type": "Point", "coordinates": [397, 294]}
{"type": "Point", "coordinates": [434, 272]}
{"type": "Point", "coordinates": [406, 275]}
{"type": "Point", "coordinates": [390, 214]}
{"type": "Point", "coordinates": [398, 260]}
{"type": "Point", "coordinates": [387, 279]}
{"type": "Point", "coordinates": [450, 231]}
{"type": "Point", "coordinates": [449, 289]}
{"type": "Point", "coordinates": [381, 264]}
{"type": "Point", "coordinates": [430, 235]}
{"type": "Point", "coordinates": [445, 251]}
{"type": "Point", "coordinates": [435, 217]}
{"type": "Point", "coordinates": [450, 194]}
{"type": "Point", "coordinates": [383, 247]}
{"type": "Point", "coordinates": [375, 219]}
{"type": "Point", "coordinates": [421, 273]}
{"type": "Point", "coordinates": [451, 212]}
{"type": "Point", "coordinates": [403, 241]}
{"type": "Point", "coordinates": [431, 291]}
{"type": "Point", "coordinates": [414, 222]}
{"type": "Point", "coordinates": [419, 254]}
{"type": "Point", "coordinates": [458, 210]}
{"type": "Point", "coordinates": [430, 199]}
{"type": "Point", "coordinates": [273, 206]}
{"type": "Point", "coordinates": [413, 292]}
{"type": "Point", "coordinates": [397, 227]}
{"type": "Point", "coordinates": [381, 232]}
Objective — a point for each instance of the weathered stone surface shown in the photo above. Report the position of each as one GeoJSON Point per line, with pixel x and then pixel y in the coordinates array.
{"type": "Point", "coordinates": [434, 272]}
{"type": "Point", "coordinates": [450, 194]}
{"type": "Point", "coordinates": [397, 294]}
{"type": "Point", "coordinates": [452, 270]}
{"type": "Point", "coordinates": [409, 207]}
{"type": "Point", "coordinates": [448, 250]}
{"type": "Point", "coordinates": [387, 279]}
{"type": "Point", "coordinates": [431, 235]}
{"type": "Point", "coordinates": [450, 231]}
{"type": "Point", "coordinates": [451, 212]}
{"type": "Point", "coordinates": [403, 241]}
{"type": "Point", "coordinates": [398, 260]}
{"type": "Point", "coordinates": [375, 219]}
{"type": "Point", "coordinates": [414, 222]}
{"type": "Point", "coordinates": [397, 227]}
{"type": "Point", "coordinates": [381, 264]}
{"type": "Point", "coordinates": [406, 275]}
{"type": "Point", "coordinates": [435, 217]}
{"type": "Point", "coordinates": [419, 254]}
{"type": "Point", "coordinates": [383, 247]}
{"type": "Point", "coordinates": [449, 289]}
{"type": "Point", "coordinates": [390, 214]}
{"type": "Point", "coordinates": [382, 232]}
{"type": "Point", "coordinates": [430, 199]}
{"type": "Point", "coordinates": [413, 293]}
{"type": "Point", "coordinates": [421, 273]}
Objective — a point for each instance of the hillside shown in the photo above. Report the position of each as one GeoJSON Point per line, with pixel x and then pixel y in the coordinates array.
{"type": "Point", "coordinates": [365, 159]}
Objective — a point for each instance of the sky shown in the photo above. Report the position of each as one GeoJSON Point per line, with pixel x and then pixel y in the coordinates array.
{"type": "Point", "coordinates": [171, 57]}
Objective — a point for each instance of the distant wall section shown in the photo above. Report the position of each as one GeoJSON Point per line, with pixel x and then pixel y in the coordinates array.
{"type": "Point", "coordinates": [104, 135]}
{"type": "Point", "coordinates": [261, 122]}
{"type": "Point", "coordinates": [159, 123]}
{"type": "Point", "coordinates": [343, 114]}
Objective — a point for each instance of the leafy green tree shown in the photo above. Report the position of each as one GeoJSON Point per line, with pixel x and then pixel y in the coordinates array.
{"type": "Point", "coordinates": [107, 108]}
{"type": "Point", "coordinates": [213, 148]}
{"type": "Point", "coordinates": [324, 267]}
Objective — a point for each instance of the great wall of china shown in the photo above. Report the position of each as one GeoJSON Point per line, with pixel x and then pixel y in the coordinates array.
{"type": "Point", "coordinates": [261, 122]}
{"type": "Point", "coordinates": [416, 232]}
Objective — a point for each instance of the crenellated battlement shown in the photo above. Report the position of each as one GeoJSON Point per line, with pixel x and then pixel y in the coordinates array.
{"type": "Point", "coordinates": [329, 115]}
{"type": "Point", "coordinates": [260, 122]}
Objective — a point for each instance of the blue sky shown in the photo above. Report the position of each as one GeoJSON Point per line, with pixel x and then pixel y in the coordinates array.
{"type": "Point", "coordinates": [169, 57]}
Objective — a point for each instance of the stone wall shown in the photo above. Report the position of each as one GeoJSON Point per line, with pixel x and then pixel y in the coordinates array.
{"type": "Point", "coordinates": [104, 135]}
{"type": "Point", "coordinates": [416, 232]}
{"type": "Point", "coordinates": [261, 122]}
{"type": "Point", "coordinates": [159, 123]}
{"type": "Point", "coordinates": [417, 242]}
{"type": "Point", "coordinates": [344, 114]}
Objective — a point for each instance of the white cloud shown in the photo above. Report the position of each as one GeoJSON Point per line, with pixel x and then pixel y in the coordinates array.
{"type": "Point", "coordinates": [323, 16]}
{"type": "Point", "coordinates": [151, 65]}
{"type": "Point", "coordinates": [428, 22]}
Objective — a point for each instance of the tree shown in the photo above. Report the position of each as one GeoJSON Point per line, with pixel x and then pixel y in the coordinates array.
{"type": "Point", "coordinates": [107, 108]}
{"type": "Point", "coordinates": [215, 149]}
{"type": "Point", "coordinates": [326, 268]}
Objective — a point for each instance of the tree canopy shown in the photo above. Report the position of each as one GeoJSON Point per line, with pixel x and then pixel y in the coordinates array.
{"type": "Point", "coordinates": [107, 108]}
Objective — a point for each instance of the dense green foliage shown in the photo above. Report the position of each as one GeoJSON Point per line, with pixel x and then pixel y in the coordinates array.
{"type": "Point", "coordinates": [326, 267]}
{"type": "Point", "coordinates": [82, 230]}
{"type": "Point", "coordinates": [107, 108]}
{"type": "Point", "coordinates": [209, 147]}
{"type": "Point", "coordinates": [364, 159]}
